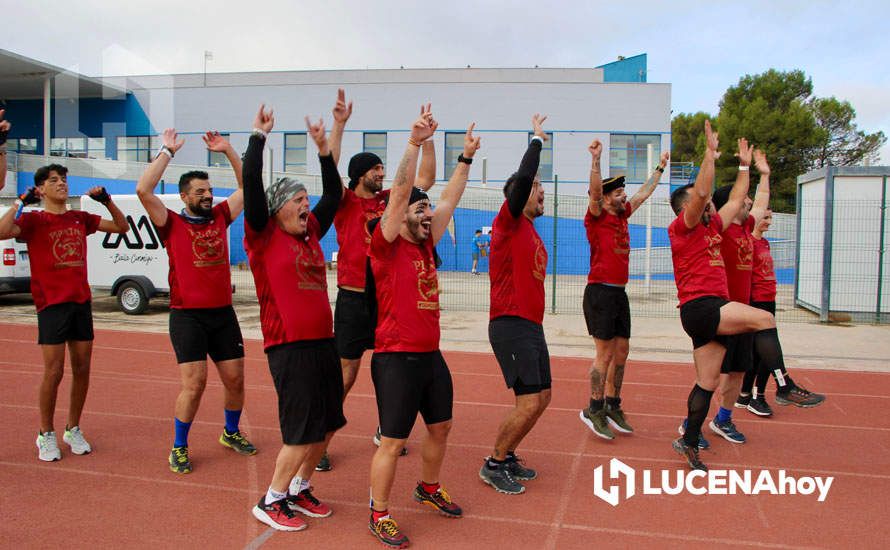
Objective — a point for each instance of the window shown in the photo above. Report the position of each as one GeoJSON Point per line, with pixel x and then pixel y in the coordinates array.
{"type": "Point", "coordinates": [295, 152]}
{"type": "Point", "coordinates": [627, 155]}
{"type": "Point", "coordinates": [22, 145]}
{"type": "Point", "coordinates": [375, 142]}
{"type": "Point", "coordinates": [218, 159]}
{"type": "Point", "coordinates": [454, 146]}
{"type": "Point", "coordinates": [545, 168]}
{"type": "Point", "coordinates": [137, 148]}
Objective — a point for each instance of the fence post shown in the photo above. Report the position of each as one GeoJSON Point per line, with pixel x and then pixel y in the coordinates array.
{"type": "Point", "coordinates": [555, 248]}
{"type": "Point", "coordinates": [881, 249]}
{"type": "Point", "coordinates": [648, 271]}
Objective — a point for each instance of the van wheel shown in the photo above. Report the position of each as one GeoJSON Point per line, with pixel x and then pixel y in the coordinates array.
{"type": "Point", "coordinates": [131, 298]}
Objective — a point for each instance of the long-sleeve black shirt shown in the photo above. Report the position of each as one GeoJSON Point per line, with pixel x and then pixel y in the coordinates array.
{"type": "Point", "coordinates": [519, 191]}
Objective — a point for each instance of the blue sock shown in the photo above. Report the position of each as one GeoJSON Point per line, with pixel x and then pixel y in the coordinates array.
{"type": "Point", "coordinates": [181, 439]}
{"type": "Point", "coordinates": [232, 420]}
{"type": "Point", "coordinates": [724, 414]}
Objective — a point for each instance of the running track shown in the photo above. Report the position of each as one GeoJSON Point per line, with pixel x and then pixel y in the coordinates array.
{"type": "Point", "coordinates": [124, 492]}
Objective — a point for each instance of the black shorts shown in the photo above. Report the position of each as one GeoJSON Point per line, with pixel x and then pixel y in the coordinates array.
{"type": "Point", "coordinates": [197, 333]}
{"type": "Point", "coordinates": [309, 384]}
{"type": "Point", "coordinates": [739, 353]}
{"type": "Point", "coordinates": [60, 323]}
{"type": "Point", "coordinates": [765, 306]}
{"type": "Point", "coordinates": [521, 351]}
{"type": "Point", "coordinates": [700, 319]}
{"type": "Point", "coordinates": [352, 324]}
{"type": "Point", "coordinates": [606, 311]}
{"type": "Point", "coordinates": [407, 384]}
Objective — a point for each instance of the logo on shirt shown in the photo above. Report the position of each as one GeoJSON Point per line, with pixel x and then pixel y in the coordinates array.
{"type": "Point", "coordinates": [67, 247]}
{"type": "Point", "coordinates": [208, 247]}
{"type": "Point", "coordinates": [766, 266]}
{"type": "Point", "coordinates": [622, 241]}
{"type": "Point", "coordinates": [427, 285]}
{"type": "Point", "coordinates": [310, 268]}
{"type": "Point", "coordinates": [539, 271]}
{"type": "Point", "coordinates": [713, 247]}
{"type": "Point", "coordinates": [746, 253]}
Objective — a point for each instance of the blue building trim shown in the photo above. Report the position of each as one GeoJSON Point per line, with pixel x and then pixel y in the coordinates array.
{"type": "Point", "coordinates": [629, 69]}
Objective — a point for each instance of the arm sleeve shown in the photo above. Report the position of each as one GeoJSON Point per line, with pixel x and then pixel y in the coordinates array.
{"type": "Point", "coordinates": [332, 190]}
{"type": "Point", "coordinates": [518, 193]}
{"type": "Point", "coordinates": [256, 210]}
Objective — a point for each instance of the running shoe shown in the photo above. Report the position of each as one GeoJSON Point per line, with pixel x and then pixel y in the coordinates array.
{"type": "Point", "coordinates": [237, 442]}
{"type": "Point", "coordinates": [440, 500]}
{"type": "Point", "coordinates": [387, 531]}
{"type": "Point", "coordinates": [518, 470]}
{"type": "Point", "coordinates": [742, 401]}
{"type": "Point", "coordinates": [690, 454]}
{"type": "Point", "coordinates": [378, 435]}
{"type": "Point", "coordinates": [179, 460]}
{"type": "Point", "coordinates": [308, 505]}
{"type": "Point", "coordinates": [702, 442]}
{"type": "Point", "coordinates": [48, 447]}
{"type": "Point", "coordinates": [760, 407]}
{"type": "Point", "coordinates": [324, 465]}
{"type": "Point", "coordinates": [799, 396]}
{"type": "Point", "coordinates": [501, 479]}
{"type": "Point", "coordinates": [74, 438]}
{"type": "Point", "coordinates": [727, 431]}
{"type": "Point", "coordinates": [597, 422]}
{"type": "Point", "coordinates": [617, 421]}
{"type": "Point", "coordinates": [278, 515]}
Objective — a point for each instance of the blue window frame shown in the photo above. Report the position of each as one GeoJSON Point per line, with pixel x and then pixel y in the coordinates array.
{"type": "Point", "coordinates": [545, 168]}
{"type": "Point", "coordinates": [375, 142]}
{"type": "Point", "coordinates": [295, 152]}
{"type": "Point", "coordinates": [627, 155]}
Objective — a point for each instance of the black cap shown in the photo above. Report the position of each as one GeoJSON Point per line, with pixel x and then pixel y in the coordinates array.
{"type": "Point", "coordinates": [359, 165]}
{"type": "Point", "coordinates": [612, 184]}
{"type": "Point", "coordinates": [721, 196]}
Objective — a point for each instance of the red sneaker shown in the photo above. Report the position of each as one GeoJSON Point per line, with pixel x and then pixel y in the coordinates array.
{"type": "Point", "coordinates": [387, 531]}
{"type": "Point", "coordinates": [278, 515]}
{"type": "Point", "coordinates": [308, 505]}
{"type": "Point", "coordinates": [440, 500]}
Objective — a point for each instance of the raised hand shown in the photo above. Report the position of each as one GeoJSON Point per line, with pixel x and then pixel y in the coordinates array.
{"type": "Point", "coordinates": [665, 157]}
{"type": "Point", "coordinates": [745, 152]}
{"type": "Point", "coordinates": [316, 131]}
{"type": "Point", "coordinates": [423, 128]}
{"type": "Point", "coordinates": [595, 148]}
{"type": "Point", "coordinates": [342, 110]}
{"type": "Point", "coordinates": [760, 162]}
{"type": "Point", "coordinates": [264, 119]}
{"type": "Point", "coordinates": [4, 127]}
{"type": "Point", "coordinates": [31, 196]}
{"type": "Point", "coordinates": [537, 123]}
{"type": "Point", "coordinates": [170, 140]}
{"type": "Point", "coordinates": [99, 194]}
{"type": "Point", "coordinates": [471, 142]}
{"type": "Point", "coordinates": [711, 140]}
{"type": "Point", "coordinates": [216, 142]}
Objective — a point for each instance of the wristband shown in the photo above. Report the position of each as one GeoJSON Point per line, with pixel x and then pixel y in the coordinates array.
{"type": "Point", "coordinates": [743, 168]}
{"type": "Point", "coordinates": [258, 132]}
{"type": "Point", "coordinates": [412, 142]}
{"type": "Point", "coordinates": [660, 168]}
{"type": "Point", "coordinates": [463, 159]}
{"type": "Point", "coordinates": [539, 138]}
{"type": "Point", "coordinates": [165, 150]}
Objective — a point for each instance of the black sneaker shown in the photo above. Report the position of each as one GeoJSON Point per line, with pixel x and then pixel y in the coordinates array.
{"type": "Point", "coordinates": [324, 465]}
{"type": "Point", "coordinates": [179, 460]}
{"type": "Point", "coordinates": [440, 500]}
{"type": "Point", "coordinates": [518, 471]}
{"type": "Point", "coordinates": [742, 401]}
{"type": "Point", "coordinates": [690, 454]}
{"type": "Point", "coordinates": [759, 406]}
{"type": "Point", "coordinates": [501, 479]}
{"type": "Point", "coordinates": [800, 397]}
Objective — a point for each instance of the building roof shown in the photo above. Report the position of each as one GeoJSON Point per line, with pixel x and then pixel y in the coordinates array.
{"type": "Point", "coordinates": [22, 78]}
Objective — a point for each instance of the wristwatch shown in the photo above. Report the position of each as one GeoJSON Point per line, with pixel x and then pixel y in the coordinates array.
{"type": "Point", "coordinates": [465, 160]}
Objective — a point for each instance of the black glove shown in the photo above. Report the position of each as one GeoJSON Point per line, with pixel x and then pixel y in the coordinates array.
{"type": "Point", "coordinates": [29, 197]}
{"type": "Point", "coordinates": [100, 196]}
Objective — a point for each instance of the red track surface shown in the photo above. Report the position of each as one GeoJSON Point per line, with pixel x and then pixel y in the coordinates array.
{"type": "Point", "coordinates": [124, 493]}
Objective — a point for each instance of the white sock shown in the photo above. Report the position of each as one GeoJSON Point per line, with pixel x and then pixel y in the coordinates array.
{"type": "Point", "coordinates": [272, 495]}
{"type": "Point", "coordinates": [297, 485]}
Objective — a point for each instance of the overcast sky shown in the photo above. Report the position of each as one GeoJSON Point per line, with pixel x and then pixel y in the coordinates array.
{"type": "Point", "coordinates": [701, 48]}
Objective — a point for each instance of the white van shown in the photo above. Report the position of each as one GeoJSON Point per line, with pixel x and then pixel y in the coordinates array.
{"type": "Point", "coordinates": [15, 270]}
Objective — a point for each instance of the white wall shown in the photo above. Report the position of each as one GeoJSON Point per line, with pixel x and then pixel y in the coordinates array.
{"type": "Point", "coordinates": [811, 209]}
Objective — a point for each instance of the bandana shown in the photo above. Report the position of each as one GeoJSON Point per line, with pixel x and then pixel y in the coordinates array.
{"type": "Point", "coordinates": [282, 191]}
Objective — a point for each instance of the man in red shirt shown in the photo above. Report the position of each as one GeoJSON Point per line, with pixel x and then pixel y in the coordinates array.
{"type": "Point", "coordinates": [282, 238]}
{"type": "Point", "coordinates": [408, 370]}
{"type": "Point", "coordinates": [57, 250]}
{"type": "Point", "coordinates": [606, 307]}
{"type": "Point", "coordinates": [706, 312]}
{"type": "Point", "coordinates": [202, 320]}
{"type": "Point", "coordinates": [517, 268]}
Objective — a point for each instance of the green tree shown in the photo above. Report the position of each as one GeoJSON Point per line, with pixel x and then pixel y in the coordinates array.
{"type": "Point", "coordinates": [687, 137]}
{"type": "Point", "coordinates": [841, 143]}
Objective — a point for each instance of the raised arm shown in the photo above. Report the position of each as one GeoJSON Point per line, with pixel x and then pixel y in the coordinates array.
{"type": "Point", "coordinates": [455, 189]}
{"type": "Point", "coordinates": [426, 174]}
{"type": "Point", "coordinates": [219, 144]}
{"type": "Point", "coordinates": [8, 228]}
{"type": "Point", "coordinates": [645, 191]}
{"type": "Point", "coordinates": [740, 187]}
{"type": "Point", "coordinates": [595, 189]}
{"type": "Point", "coordinates": [4, 131]}
{"type": "Point", "coordinates": [761, 197]}
{"type": "Point", "coordinates": [117, 223]}
{"type": "Point", "coordinates": [145, 187]}
{"type": "Point", "coordinates": [396, 208]}
{"type": "Point", "coordinates": [342, 111]}
{"type": "Point", "coordinates": [518, 193]}
{"type": "Point", "coordinates": [332, 185]}
{"type": "Point", "coordinates": [700, 195]}
{"type": "Point", "coordinates": [256, 209]}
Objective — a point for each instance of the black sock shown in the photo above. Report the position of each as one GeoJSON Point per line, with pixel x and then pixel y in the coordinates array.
{"type": "Point", "coordinates": [613, 402]}
{"type": "Point", "coordinates": [698, 404]}
{"type": "Point", "coordinates": [769, 350]}
{"type": "Point", "coordinates": [748, 381]}
{"type": "Point", "coordinates": [596, 405]}
{"type": "Point", "coordinates": [493, 464]}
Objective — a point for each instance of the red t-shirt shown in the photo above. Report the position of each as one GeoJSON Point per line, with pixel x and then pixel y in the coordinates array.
{"type": "Point", "coordinates": [737, 249]}
{"type": "Point", "coordinates": [609, 246]}
{"type": "Point", "coordinates": [517, 268]}
{"type": "Point", "coordinates": [407, 289]}
{"type": "Point", "coordinates": [57, 246]}
{"type": "Point", "coordinates": [698, 264]}
{"type": "Point", "coordinates": [291, 285]}
{"type": "Point", "coordinates": [351, 223]}
{"type": "Point", "coordinates": [763, 284]}
{"type": "Point", "coordinates": [199, 260]}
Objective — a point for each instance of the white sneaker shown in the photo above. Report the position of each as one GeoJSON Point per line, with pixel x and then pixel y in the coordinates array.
{"type": "Point", "coordinates": [48, 447]}
{"type": "Point", "coordinates": [74, 437]}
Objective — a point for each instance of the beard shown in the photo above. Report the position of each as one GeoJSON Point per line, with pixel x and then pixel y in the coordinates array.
{"type": "Point", "coordinates": [417, 231]}
{"type": "Point", "coordinates": [372, 184]}
{"type": "Point", "coordinates": [202, 207]}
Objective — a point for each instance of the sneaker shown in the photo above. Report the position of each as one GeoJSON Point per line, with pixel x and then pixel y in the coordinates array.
{"type": "Point", "coordinates": [388, 533]}
{"type": "Point", "coordinates": [237, 442]}
{"type": "Point", "coordinates": [742, 401]}
{"type": "Point", "coordinates": [518, 471]}
{"type": "Point", "coordinates": [690, 454]}
{"type": "Point", "coordinates": [616, 420]}
{"type": "Point", "coordinates": [48, 447]}
{"type": "Point", "coordinates": [501, 479]}
{"type": "Point", "coordinates": [278, 515]}
{"type": "Point", "coordinates": [727, 431]}
{"type": "Point", "coordinates": [597, 422]}
{"type": "Point", "coordinates": [799, 396]}
{"type": "Point", "coordinates": [759, 406]}
{"type": "Point", "coordinates": [74, 438]}
{"type": "Point", "coordinates": [702, 442]}
{"type": "Point", "coordinates": [324, 465]}
{"type": "Point", "coordinates": [440, 500]}
{"type": "Point", "coordinates": [378, 435]}
{"type": "Point", "coordinates": [308, 505]}
{"type": "Point", "coordinates": [179, 460]}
